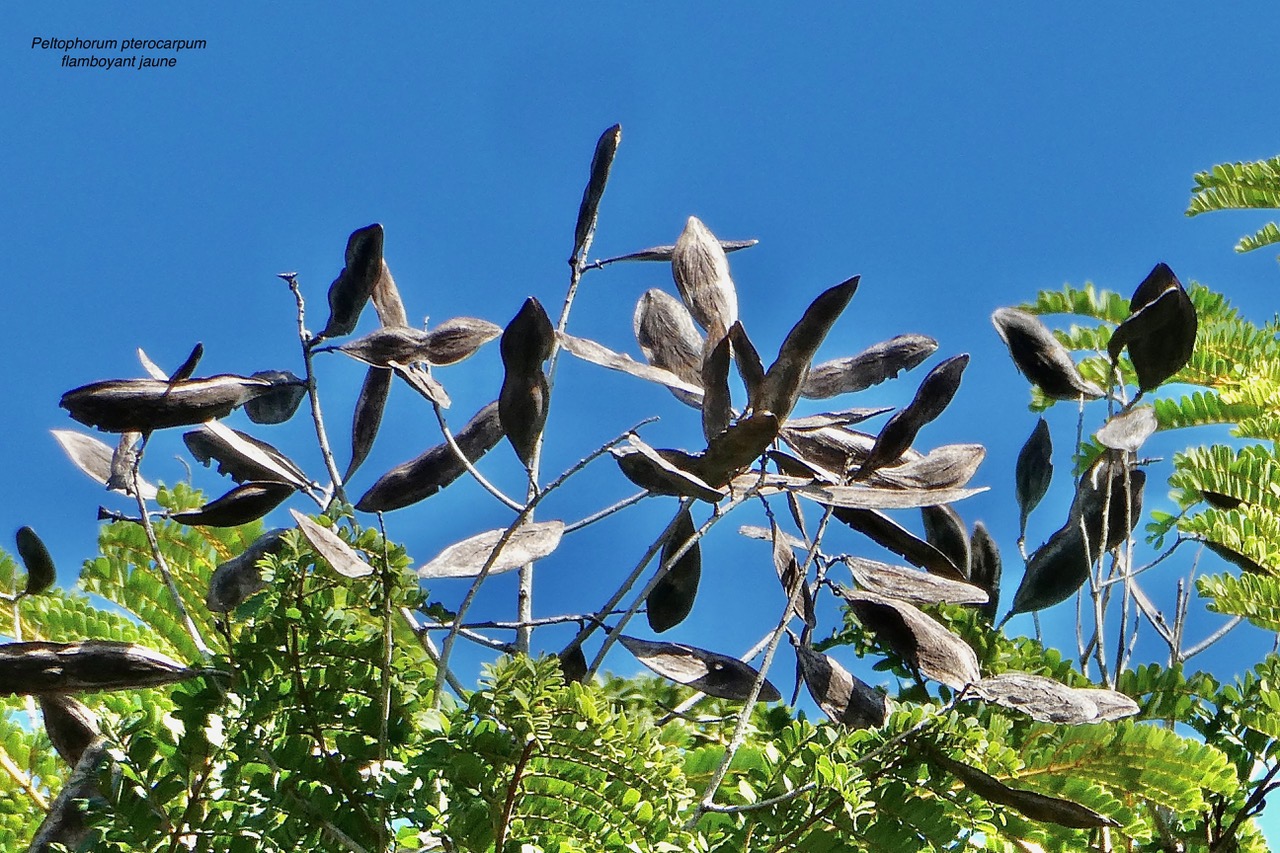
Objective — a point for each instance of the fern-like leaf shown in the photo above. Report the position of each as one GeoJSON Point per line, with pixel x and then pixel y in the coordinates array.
{"type": "Point", "coordinates": [1255, 597]}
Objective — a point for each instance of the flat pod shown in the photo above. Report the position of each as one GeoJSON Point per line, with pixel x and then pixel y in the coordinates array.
{"type": "Point", "coordinates": [387, 301]}
{"type": "Point", "coordinates": [711, 673]}
{"type": "Point", "coordinates": [671, 600]}
{"type": "Point", "coordinates": [1103, 487]}
{"type": "Point", "coordinates": [650, 469]}
{"type": "Point", "coordinates": [41, 573]}
{"type": "Point", "coordinates": [736, 447]}
{"type": "Point", "coordinates": [701, 274]}
{"type": "Point", "coordinates": [786, 376]}
{"type": "Point", "coordinates": [387, 344]}
{"type": "Point", "coordinates": [793, 581]}
{"type": "Point", "coordinates": [689, 392]}
{"type": "Point", "coordinates": [872, 497]}
{"type": "Point", "coordinates": [750, 367]}
{"type": "Point", "coordinates": [340, 556]}
{"type": "Point", "coordinates": [573, 665]}
{"type": "Point", "coordinates": [835, 448]}
{"type": "Point", "coordinates": [234, 581]}
{"type": "Point", "coordinates": [950, 466]}
{"type": "Point", "coordinates": [468, 558]}
{"type": "Point", "coordinates": [367, 418]}
{"type": "Point", "coordinates": [717, 408]}
{"type": "Point", "coordinates": [70, 725]}
{"type": "Point", "coordinates": [842, 418]}
{"type": "Point", "coordinates": [664, 254]}
{"type": "Point", "coordinates": [1034, 471]}
{"type": "Point", "coordinates": [875, 364]}
{"type": "Point", "coordinates": [921, 642]}
{"type": "Point", "coordinates": [188, 367]}
{"type": "Point", "coordinates": [1129, 430]}
{"type": "Point", "coordinates": [94, 457]}
{"type": "Point", "coordinates": [588, 209]}
{"type": "Point", "coordinates": [351, 290]}
{"type": "Point", "coordinates": [1040, 807]}
{"type": "Point", "coordinates": [528, 339]}
{"type": "Point", "coordinates": [910, 585]}
{"type": "Point", "coordinates": [985, 568]}
{"type": "Point", "coordinates": [844, 698]}
{"type": "Point", "coordinates": [90, 665]}
{"type": "Point", "coordinates": [946, 531]}
{"type": "Point", "coordinates": [278, 404]}
{"type": "Point", "coordinates": [1160, 330]}
{"type": "Point", "coordinates": [669, 339]}
{"type": "Point", "coordinates": [243, 504]}
{"type": "Point", "coordinates": [1051, 701]}
{"type": "Point", "coordinates": [886, 533]}
{"type": "Point", "coordinates": [1055, 571]}
{"type": "Point", "coordinates": [144, 405]}
{"type": "Point", "coordinates": [1041, 357]}
{"type": "Point", "coordinates": [422, 477]}
{"type": "Point", "coordinates": [458, 339]}
{"type": "Point", "coordinates": [420, 379]}
{"type": "Point", "coordinates": [932, 397]}
{"type": "Point", "coordinates": [242, 457]}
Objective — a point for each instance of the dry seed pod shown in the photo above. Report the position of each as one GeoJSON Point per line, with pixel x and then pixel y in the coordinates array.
{"type": "Point", "coordinates": [1160, 331]}
{"type": "Point", "coordinates": [832, 448]}
{"type": "Point", "coordinates": [243, 504]}
{"type": "Point", "coordinates": [152, 369]}
{"type": "Point", "coordinates": [910, 585]}
{"type": "Point", "coordinates": [944, 530]}
{"type": "Point", "coordinates": [124, 462]}
{"type": "Point", "coordinates": [651, 469]}
{"type": "Point", "coordinates": [94, 458]}
{"type": "Point", "coordinates": [1051, 701]}
{"type": "Point", "coordinates": [669, 339]}
{"type": "Point", "coordinates": [188, 367]}
{"type": "Point", "coordinates": [336, 552]}
{"type": "Point", "coordinates": [670, 601]}
{"type": "Point", "coordinates": [1036, 806]}
{"type": "Point", "coordinates": [870, 367]}
{"type": "Point", "coordinates": [387, 301]}
{"type": "Point", "coordinates": [1128, 430]}
{"type": "Point", "coordinates": [665, 253]}
{"type": "Point", "coordinates": [242, 457]}
{"type": "Point", "coordinates": [70, 725]}
{"type": "Point", "coordinates": [871, 498]}
{"type": "Point", "coordinates": [466, 559]}
{"type": "Point", "coordinates": [422, 477]}
{"type": "Point", "coordinates": [950, 466]}
{"type": "Point", "coordinates": [573, 665]}
{"type": "Point", "coordinates": [1041, 357]}
{"type": "Point", "coordinates": [281, 402]}
{"type": "Point", "coordinates": [1241, 561]}
{"type": "Point", "coordinates": [522, 408]}
{"type": "Point", "coordinates": [458, 339]}
{"type": "Point", "coordinates": [420, 380]}
{"type": "Point", "coordinates": [787, 568]}
{"type": "Point", "coordinates": [1108, 479]}
{"type": "Point", "coordinates": [750, 368]}
{"type": "Point", "coordinates": [701, 273]}
{"type": "Point", "coordinates": [786, 376]}
{"type": "Point", "coordinates": [1111, 704]}
{"type": "Point", "coordinates": [1055, 571]}
{"type": "Point", "coordinates": [367, 417]}
{"type": "Point", "coordinates": [736, 447]}
{"type": "Point", "coordinates": [589, 350]}
{"type": "Point", "coordinates": [794, 466]}
{"type": "Point", "coordinates": [842, 418]}
{"type": "Point", "coordinates": [932, 397]}
{"type": "Point", "coordinates": [143, 405]}
{"type": "Point", "coordinates": [921, 642]}
{"type": "Point", "coordinates": [985, 568]}
{"type": "Point", "coordinates": [41, 573]}
{"type": "Point", "coordinates": [717, 408]}
{"type": "Point", "coordinates": [354, 285]}
{"type": "Point", "coordinates": [44, 667]}
{"type": "Point", "coordinates": [387, 344]}
{"type": "Point", "coordinates": [234, 581]}
{"type": "Point", "coordinates": [880, 529]}
{"type": "Point", "coordinates": [601, 161]}
{"type": "Point", "coordinates": [846, 699]}
{"type": "Point", "coordinates": [528, 339]}
{"type": "Point", "coordinates": [709, 672]}
{"type": "Point", "coordinates": [1034, 472]}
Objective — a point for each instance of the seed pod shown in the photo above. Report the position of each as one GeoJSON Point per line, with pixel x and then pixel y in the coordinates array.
{"type": "Point", "coordinates": [786, 376]}
{"type": "Point", "coordinates": [1106, 481]}
{"type": "Point", "coordinates": [242, 457]}
{"type": "Point", "coordinates": [792, 579]}
{"type": "Point", "coordinates": [528, 339]}
{"type": "Point", "coordinates": [709, 672]}
{"type": "Point", "coordinates": [1036, 806]}
{"type": "Point", "coordinates": [143, 405]}
{"type": "Point", "coordinates": [354, 285]}
{"type": "Point", "coordinates": [44, 667]}
{"type": "Point", "coordinates": [701, 273]}
{"type": "Point", "coordinates": [458, 339]}
{"type": "Point", "coordinates": [1128, 430]}
{"type": "Point", "coordinates": [41, 573]}
{"type": "Point", "coordinates": [880, 529]}
{"type": "Point", "coordinates": [466, 559]}
{"type": "Point", "coordinates": [419, 379]}
{"type": "Point", "coordinates": [750, 368]}
{"type": "Point", "coordinates": [522, 404]}
{"type": "Point", "coordinates": [871, 498]}
{"type": "Point", "coordinates": [596, 353]}
{"type": "Point", "coordinates": [736, 447]}
{"type": "Point", "coordinates": [387, 344]}
{"type": "Point", "coordinates": [870, 367]}
{"type": "Point", "coordinates": [932, 397]}
{"type": "Point", "coordinates": [243, 504]}
{"type": "Point", "coordinates": [387, 301]}
{"type": "Point", "coordinates": [573, 665]}
{"type": "Point", "coordinates": [601, 161]}
{"type": "Point", "coordinates": [340, 556]}
{"type": "Point", "coordinates": [279, 403]}
{"type": "Point", "coordinates": [1055, 571]}
{"type": "Point", "coordinates": [717, 408]}
{"type": "Point", "coordinates": [921, 642]}
{"type": "Point", "coordinates": [834, 448]}
{"type": "Point", "coordinates": [665, 253]}
{"type": "Point", "coordinates": [188, 367]}
{"type": "Point", "coordinates": [950, 466]}
{"type": "Point", "coordinates": [234, 581]}
{"type": "Point", "coordinates": [367, 418]}
{"type": "Point", "coordinates": [669, 339]}
{"type": "Point", "coordinates": [944, 530]}
{"type": "Point", "coordinates": [1041, 357]}
{"type": "Point", "coordinates": [124, 463]}
{"type": "Point", "coordinates": [842, 418]}
{"type": "Point", "coordinates": [910, 585]}
{"type": "Point", "coordinates": [1051, 701]}
{"type": "Point", "coordinates": [422, 477]}
{"type": "Point", "coordinates": [670, 601]}
{"type": "Point", "coordinates": [653, 470]}
{"type": "Point", "coordinates": [1160, 330]}
{"type": "Point", "coordinates": [844, 698]}
{"type": "Point", "coordinates": [94, 457]}
{"type": "Point", "coordinates": [1034, 472]}
{"type": "Point", "coordinates": [70, 725]}
{"type": "Point", "coordinates": [985, 568]}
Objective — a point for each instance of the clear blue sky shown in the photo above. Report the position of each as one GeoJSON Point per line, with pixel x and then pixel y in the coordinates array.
{"type": "Point", "coordinates": [957, 160]}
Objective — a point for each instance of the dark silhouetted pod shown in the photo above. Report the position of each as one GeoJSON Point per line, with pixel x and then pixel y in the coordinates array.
{"type": "Point", "coordinates": [242, 457]}
{"type": "Point", "coordinates": [665, 253]}
{"type": "Point", "coordinates": [736, 447]}
{"type": "Point", "coordinates": [872, 366]}
{"type": "Point", "coordinates": [234, 581]}
{"type": "Point", "coordinates": [932, 397]}
{"type": "Point", "coordinates": [654, 470]}
{"type": "Point", "coordinates": [1160, 330]}
{"type": "Point", "coordinates": [243, 504]}
{"type": "Point", "coordinates": [1041, 357]}
{"type": "Point", "coordinates": [573, 665]}
{"type": "Point", "coordinates": [1036, 806]}
{"type": "Point", "coordinates": [846, 699]}
{"type": "Point", "coordinates": [340, 556]}
{"type": "Point", "coordinates": [94, 458]}
{"type": "Point", "coordinates": [985, 568]}
{"type": "Point", "coordinates": [188, 367]}
{"type": "Point", "coordinates": [886, 533]}
{"type": "Point", "coordinates": [786, 376]}
{"type": "Point", "coordinates": [920, 641]}
{"type": "Point", "coordinates": [701, 273]}
{"type": "Point", "coordinates": [709, 672]}
{"type": "Point", "coordinates": [950, 466]}
{"type": "Point", "coordinates": [1055, 571]}
{"type": "Point", "coordinates": [750, 367]}
{"type": "Point", "coordinates": [522, 404]}
{"type": "Point", "coordinates": [367, 417]}
{"type": "Point", "coordinates": [910, 585]}
{"type": "Point", "coordinates": [1101, 490]}
{"type": "Point", "coordinates": [143, 405]}
{"type": "Point", "coordinates": [792, 579]}
{"type": "Point", "coordinates": [717, 408]}
{"type": "Point", "coordinates": [1033, 472]}
{"type": "Point", "coordinates": [589, 208]}
{"type": "Point", "coordinates": [458, 339]}
{"type": "Point", "coordinates": [70, 725]}
{"type": "Point", "coordinates": [41, 573]}
{"type": "Point", "coordinates": [672, 598]}
{"type": "Point", "coordinates": [354, 285]}
{"type": "Point", "coordinates": [44, 667]}
{"type": "Point", "coordinates": [946, 531]}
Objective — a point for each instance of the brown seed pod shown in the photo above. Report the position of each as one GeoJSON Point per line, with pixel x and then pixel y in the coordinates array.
{"type": "Point", "coordinates": [1033, 472]}
{"type": "Point", "coordinates": [420, 379]}
{"type": "Point", "coordinates": [188, 367]}
{"type": "Point", "coordinates": [985, 568]}
{"type": "Point", "coordinates": [528, 339]}
{"type": "Point", "coordinates": [573, 665]}
{"type": "Point", "coordinates": [367, 417]}
{"type": "Point", "coordinates": [466, 559]}
{"type": "Point", "coordinates": [922, 643]}
{"type": "Point", "coordinates": [387, 301]}
{"type": "Point", "coordinates": [1041, 357]}
{"type": "Point", "coordinates": [836, 448]}
{"type": "Point", "coordinates": [1160, 330]}
{"type": "Point", "coordinates": [44, 667]}
{"type": "Point", "coordinates": [701, 273]}
{"type": "Point", "coordinates": [340, 556]}
{"type": "Point", "coordinates": [387, 344]}
{"type": "Point", "coordinates": [870, 367]}
{"type": "Point", "coordinates": [950, 466]}
{"type": "Point", "coordinates": [242, 457]}
{"type": "Point", "coordinates": [946, 531]}
{"type": "Point", "coordinates": [786, 376]}
{"type": "Point", "coordinates": [1055, 571]}
{"type": "Point", "coordinates": [844, 698]}
{"type": "Point", "coordinates": [422, 477]}
{"type": "Point", "coordinates": [596, 353]}
{"type": "Point", "coordinates": [750, 368]}
{"type": "Point", "coordinates": [717, 408]}
{"type": "Point", "coordinates": [709, 672]}
{"type": "Point", "coordinates": [354, 285]}
{"type": "Point", "coordinates": [669, 339]}
{"type": "Point", "coordinates": [41, 573]}
{"type": "Point", "coordinates": [522, 409]}
{"type": "Point", "coordinates": [657, 471]}
{"type": "Point", "coordinates": [932, 397]}
{"type": "Point", "coordinates": [234, 581]}
{"type": "Point", "coordinates": [94, 458]}
{"type": "Point", "coordinates": [670, 601]}
{"type": "Point", "coordinates": [70, 725]}
{"type": "Point", "coordinates": [792, 579]}
{"type": "Point", "coordinates": [601, 161]}
{"type": "Point", "coordinates": [143, 405]}
{"type": "Point", "coordinates": [910, 585]}
{"type": "Point", "coordinates": [1051, 701]}
{"type": "Point", "coordinates": [842, 418]}
{"type": "Point", "coordinates": [665, 253]}
{"type": "Point", "coordinates": [458, 339]}
{"type": "Point", "coordinates": [278, 404]}
{"type": "Point", "coordinates": [860, 497]}
{"type": "Point", "coordinates": [736, 447]}
{"type": "Point", "coordinates": [123, 462]}
{"type": "Point", "coordinates": [243, 504]}
{"type": "Point", "coordinates": [880, 529]}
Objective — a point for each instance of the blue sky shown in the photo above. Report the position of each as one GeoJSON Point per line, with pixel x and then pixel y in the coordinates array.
{"type": "Point", "coordinates": [957, 160]}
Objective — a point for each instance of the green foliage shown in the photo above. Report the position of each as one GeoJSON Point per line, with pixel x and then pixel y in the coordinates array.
{"type": "Point", "coordinates": [1237, 186]}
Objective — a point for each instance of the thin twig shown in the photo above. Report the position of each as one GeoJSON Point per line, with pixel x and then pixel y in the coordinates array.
{"type": "Point", "coordinates": [385, 697]}
{"type": "Point", "coordinates": [432, 652]}
{"type": "Point", "coordinates": [516, 775]}
{"type": "Point", "coordinates": [608, 511]}
{"type": "Point", "coordinates": [514, 626]}
{"type": "Point", "coordinates": [687, 705]}
{"type": "Point", "coordinates": [471, 468]}
{"type": "Point", "coordinates": [23, 780]}
{"type": "Point", "coordinates": [762, 804]}
{"type": "Point", "coordinates": [1211, 639]}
